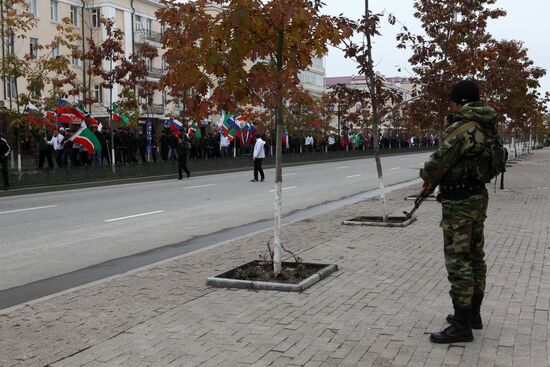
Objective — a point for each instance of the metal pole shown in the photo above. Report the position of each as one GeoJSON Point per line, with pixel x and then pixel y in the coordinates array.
{"type": "Point", "coordinates": [84, 91]}
{"type": "Point", "coordinates": [113, 158]}
{"type": "Point", "coordinates": [3, 48]}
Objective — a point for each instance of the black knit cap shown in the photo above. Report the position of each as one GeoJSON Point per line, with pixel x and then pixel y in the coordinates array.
{"type": "Point", "coordinates": [464, 92]}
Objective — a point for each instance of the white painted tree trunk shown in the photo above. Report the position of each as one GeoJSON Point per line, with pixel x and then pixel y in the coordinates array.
{"type": "Point", "coordinates": [277, 248]}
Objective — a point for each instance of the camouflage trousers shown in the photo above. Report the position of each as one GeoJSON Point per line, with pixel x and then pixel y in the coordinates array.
{"type": "Point", "coordinates": [462, 225]}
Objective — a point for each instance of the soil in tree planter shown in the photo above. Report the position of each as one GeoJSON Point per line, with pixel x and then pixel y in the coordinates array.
{"type": "Point", "coordinates": [291, 272]}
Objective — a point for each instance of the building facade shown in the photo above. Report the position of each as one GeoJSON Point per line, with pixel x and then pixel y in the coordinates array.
{"type": "Point", "coordinates": [137, 20]}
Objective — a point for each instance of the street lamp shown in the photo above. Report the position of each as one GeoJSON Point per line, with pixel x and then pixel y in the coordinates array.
{"type": "Point", "coordinates": [331, 109]}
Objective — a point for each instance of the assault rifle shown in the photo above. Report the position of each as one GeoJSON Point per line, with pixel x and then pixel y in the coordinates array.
{"type": "Point", "coordinates": [419, 200]}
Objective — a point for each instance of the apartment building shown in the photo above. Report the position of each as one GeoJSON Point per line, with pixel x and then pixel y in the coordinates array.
{"type": "Point", "coordinates": [313, 79]}
{"type": "Point", "coordinates": [136, 18]}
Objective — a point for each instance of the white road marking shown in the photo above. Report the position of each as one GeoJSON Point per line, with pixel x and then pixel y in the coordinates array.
{"type": "Point", "coordinates": [285, 188]}
{"type": "Point", "coordinates": [27, 209]}
{"type": "Point", "coordinates": [289, 174]}
{"type": "Point", "coordinates": [134, 216]}
{"type": "Point", "coordinates": [352, 176]}
{"type": "Point", "coordinates": [341, 167]}
{"type": "Point", "coordinates": [197, 187]}
{"type": "Point", "coordinates": [395, 168]}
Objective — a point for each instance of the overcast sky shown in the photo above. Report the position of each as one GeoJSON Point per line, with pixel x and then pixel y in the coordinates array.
{"type": "Point", "coordinates": [527, 21]}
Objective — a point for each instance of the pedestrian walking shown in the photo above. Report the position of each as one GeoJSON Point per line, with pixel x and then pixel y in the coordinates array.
{"type": "Point", "coordinates": [182, 150]}
{"type": "Point", "coordinates": [461, 167]}
{"type": "Point", "coordinates": [258, 157]}
{"type": "Point", "coordinates": [4, 152]}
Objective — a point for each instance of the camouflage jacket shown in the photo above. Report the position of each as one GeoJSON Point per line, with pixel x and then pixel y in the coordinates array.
{"type": "Point", "coordinates": [458, 157]}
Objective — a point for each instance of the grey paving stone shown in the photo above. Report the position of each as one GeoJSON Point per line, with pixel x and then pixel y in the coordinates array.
{"type": "Point", "coordinates": [377, 310]}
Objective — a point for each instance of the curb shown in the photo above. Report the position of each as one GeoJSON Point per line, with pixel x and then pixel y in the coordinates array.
{"type": "Point", "coordinates": [273, 286]}
{"type": "Point", "coordinates": [92, 184]}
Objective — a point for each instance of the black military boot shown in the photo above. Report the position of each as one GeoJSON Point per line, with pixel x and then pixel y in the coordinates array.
{"type": "Point", "coordinates": [459, 331]}
{"type": "Point", "coordinates": [475, 317]}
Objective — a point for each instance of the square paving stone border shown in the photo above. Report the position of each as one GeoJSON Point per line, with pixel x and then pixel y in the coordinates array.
{"type": "Point", "coordinates": [221, 281]}
{"type": "Point", "coordinates": [376, 221]}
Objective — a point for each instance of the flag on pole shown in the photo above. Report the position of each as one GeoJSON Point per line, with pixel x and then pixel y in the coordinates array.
{"type": "Point", "coordinates": [65, 107]}
{"type": "Point", "coordinates": [36, 119]}
{"type": "Point", "coordinates": [228, 127]}
{"type": "Point", "coordinates": [31, 107]}
{"type": "Point", "coordinates": [285, 139]}
{"type": "Point", "coordinates": [87, 138]}
{"type": "Point", "coordinates": [176, 126]}
{"type": "Point", "coordinates": [251, 133]}
{"type": "Point", "coordinates": [119, 117]}
{"type": "Point", "coordinates": [88, 116]}
{"type": "Point", "coordinates": [193, 129]}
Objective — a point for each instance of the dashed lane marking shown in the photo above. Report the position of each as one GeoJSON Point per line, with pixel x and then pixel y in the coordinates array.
{"type": "Point", "coordinates": [27, 209]}
{"type": "Point", "coordinates": [198, 187]}
{"type": "Point", "coordinates": [285, 188]}
{"type": "Point", "coordinates": [134, 216]}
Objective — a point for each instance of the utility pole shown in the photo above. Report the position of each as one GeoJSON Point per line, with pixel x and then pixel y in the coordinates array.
{"type": "Point", "coordinates": [3, 49]}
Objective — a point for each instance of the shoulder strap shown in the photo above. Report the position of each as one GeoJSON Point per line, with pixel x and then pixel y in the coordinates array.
{"type": "Point", "coordinates": [461, 129]}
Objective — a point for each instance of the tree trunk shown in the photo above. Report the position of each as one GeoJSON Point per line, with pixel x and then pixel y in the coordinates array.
{"type": "Point", "coordinates": [19, 168]}
{"type": "Point", "coordinates": [374, 98]}
{"type": "Point", "coordinates": [277, 247]}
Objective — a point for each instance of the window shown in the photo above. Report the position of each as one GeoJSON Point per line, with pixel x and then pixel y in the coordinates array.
{"type": "Point", "coordinates": [139, 25]}
{"type": "Point", "coordinates": [33, 49]}
{"type": "Point", "coordinates": [74, 15]}
{"type": "Point", "coordinates": [96, 15]}
{"type": "Point", "coordinates": [12, 87]}
{"type": "Point", "coordinates": [75, 60]}
{"type": "Point", "coordinates": [32, 7]}
{"type": "Point", "coordinates": [149, 63]}
{"type": "Point", "coordinates": [149, 28]}
{"type": "Point", "coordinates": [164, 98]}
{"type": "Point", "coordinates": [10, 44]}
{"type": "Point", "coordinates": [53, 11]}
{"type": "Point", "coordinates": [164, 64]}
{"type": "Point", "coordinates": [98, 93]}
{"type": "Point", "coordinates": [55, 51]}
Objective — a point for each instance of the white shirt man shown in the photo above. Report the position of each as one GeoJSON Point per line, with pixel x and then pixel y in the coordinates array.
{"type": "Point", "coordinates": [258, 156]}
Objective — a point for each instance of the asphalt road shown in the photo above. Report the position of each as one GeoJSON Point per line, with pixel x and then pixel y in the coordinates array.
{"type": "Point", "coordinates": [48, 234]}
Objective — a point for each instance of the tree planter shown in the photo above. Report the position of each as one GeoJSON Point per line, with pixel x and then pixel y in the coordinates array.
{"type": "Point", "coordinates": [294, 277]}
{"type": "Point", "coordinates": [376, 221]}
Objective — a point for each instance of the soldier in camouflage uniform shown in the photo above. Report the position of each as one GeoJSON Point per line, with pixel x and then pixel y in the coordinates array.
{"type": "Point", "coordinates": [459, 168]}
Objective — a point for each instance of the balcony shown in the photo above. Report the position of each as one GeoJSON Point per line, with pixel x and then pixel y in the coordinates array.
{"type": "Point", "coordinates": [144, 35]}
{"type": "Point", "coordinates": [155, 73]}
{"type": "Point", "coordinates": [153, 109]}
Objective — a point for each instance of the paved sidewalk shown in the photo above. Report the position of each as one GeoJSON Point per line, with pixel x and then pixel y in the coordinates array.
{"type": "Point", "coordinates": [390, 292]}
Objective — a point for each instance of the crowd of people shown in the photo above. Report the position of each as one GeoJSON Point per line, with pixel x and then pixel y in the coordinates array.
{"type": "Point", "coordinates": [131, 147]}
